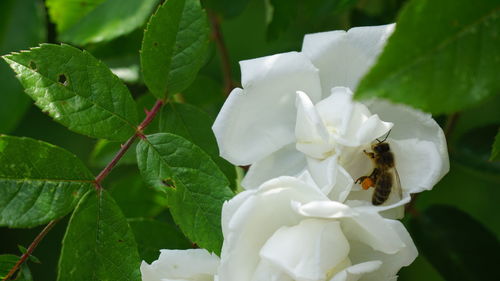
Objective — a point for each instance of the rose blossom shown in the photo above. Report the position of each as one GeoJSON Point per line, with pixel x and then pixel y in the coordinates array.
{"type": "Point", "coordinates": [181, 265]}
{"type": "Point", "coordinates": [296, 113]}
{"type": "Point", "coordinates": [288, 230]}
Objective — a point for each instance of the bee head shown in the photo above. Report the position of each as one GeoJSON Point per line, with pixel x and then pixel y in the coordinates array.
{"type": "Point", "coordinates": [381, 147]}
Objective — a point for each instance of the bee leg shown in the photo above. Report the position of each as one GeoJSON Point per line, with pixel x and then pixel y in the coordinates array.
{"type": "Point", "coordinates": [369, 154]}
{"type": "Point", "coordinates": [361, 179]}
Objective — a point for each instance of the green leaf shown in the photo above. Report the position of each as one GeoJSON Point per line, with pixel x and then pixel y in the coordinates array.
{"type": "Point", "coordinates": [152, 236]}
{"type": "Point", "coordinates": [7, 262]}
{"type": "Point", "coordinates": [458, 246]}
{"type": "Point", "coordinates": [495, 152]}
{"type": "Point", "coordinates": [442, 61]}
{"type": "Point", "coordinates": [196, 126]}
{"type": "Point", "coordinates": [109, 20]}
{"type": "Point", "coordinates": [134, 197]}
{"type": "Point", "coordinates": [174, 47]}
{"type": "Point", "coordinates": [39, 182]}
{"type": "Point", "coordinates": [66, 13]}
{"type": "Point", "coordinates": [473, 149]}
{"type": "Point", "coordinates": [205, 93]}
{"type": "Point", "coordinates": [99, 243]}
{"type": "Point", "coordinates": [76, 90]}
{"type": "Point", "coordinates": [22, 25]}
{"type": "Point", "coordinates": [195, 186]}
{"type": "Point", "coordinates": [31, 257]}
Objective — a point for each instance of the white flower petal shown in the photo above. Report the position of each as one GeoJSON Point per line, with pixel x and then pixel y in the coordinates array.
{"type": "Point", "coordinates": [311, 135]}
{"type": "Point", "coordinates": [259, 119]}
{"type": "Point", "coordinates": [266, 271]}
{"type": "Point", "coordinates": [390, 263]}
{"type": "Point", "coordinates": [192, 264]}
{"type": "Point", "coordinates": [414, 124]}
{"type": "Point", "coordinates": [332, 179]}
{"type": "Point", "coordinates": [285, 162]}
{"type": "Point", "coordinates": [418, 163]}
{"type": "Point", "coordinates": [307, 251]}
{"type": "Point", "coordinates": [336, 109]}
{"type": "Point", "coordinates": [344, 57]}
{"type": "Point", "coordinates": [355, 272]}
{"type": "Point", "coordinates": [363, 127]}
{"type": "Point", "coordinates": [372, 229]}
{"type": "Point", "coordinates": [323, 209]}
{"type": "Point", "coordinates": [254, 216]}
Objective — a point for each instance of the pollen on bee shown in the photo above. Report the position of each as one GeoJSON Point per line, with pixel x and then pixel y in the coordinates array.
{"type": "Point", "coordinates": [367, 183]}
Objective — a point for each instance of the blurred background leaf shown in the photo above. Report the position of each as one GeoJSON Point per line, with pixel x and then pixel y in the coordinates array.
{"type": "Point", "coordinates": [495, 152]}
{"type": "Point", "coordinates": [441, 58]}
{"type": "Point", "coordinates": [108, 20]}
{"type": "Point", "coordinates": [457, 245]}
{"type": "Point", "coordinates": [153, 235]}
{"type": "Point", "coordinates": [22, 25]}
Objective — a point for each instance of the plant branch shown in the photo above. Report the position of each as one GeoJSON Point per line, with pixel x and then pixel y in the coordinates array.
{"type": "Point", "coordinates": [31, 248]}
{"type": "Point", "coordinates": [139, 133]}
{"type": "Point", "coordinates": [450, 125]}
{"type": "Point", "coordinates": [224, 55]}
{"type": "Point", "coordinates": [97, 182]}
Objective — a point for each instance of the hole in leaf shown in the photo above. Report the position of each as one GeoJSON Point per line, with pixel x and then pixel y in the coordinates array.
{"type": "Point", "coordinates": [62, 79]}
{"type": "Point", "coordinates": [168, 182]}
{"type": "Point", "coordinates": [32, 65]}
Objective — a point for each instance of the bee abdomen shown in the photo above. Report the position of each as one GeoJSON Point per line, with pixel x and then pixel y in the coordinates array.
{"type": "Point", "coordinates": [382, 189]}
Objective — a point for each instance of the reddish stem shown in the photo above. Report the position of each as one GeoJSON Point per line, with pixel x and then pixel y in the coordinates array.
{"type": "Point", "coordinates": [139, 133]}
{"type": "Point", "coordinates": [97, 182]}
{"type": "Point", "coordinates": [31, 248]}
{"type": "Point", "coordinates": [224, 55]}
{"type": "Point", "coordinates": [114, 161]}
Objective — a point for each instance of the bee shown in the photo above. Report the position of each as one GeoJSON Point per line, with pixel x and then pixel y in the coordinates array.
{"type": "Point", "coordinates": [384, 176]}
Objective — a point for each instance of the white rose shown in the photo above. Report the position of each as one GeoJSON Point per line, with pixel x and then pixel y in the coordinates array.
{"type": "Point", "coordinates": [181, 265]}
{"type": "Point", "coordinates": [289, 230]}
{"type": "Point", "coordinates": [295, 113]}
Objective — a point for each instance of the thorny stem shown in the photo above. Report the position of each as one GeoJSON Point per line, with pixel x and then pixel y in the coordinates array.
{"type": "Point", "coordinates": [224, 55]}
{"type": "Point", "coordinates": [97, 182]}
{"type": "Point", "coordinates": [31, 248]}
{"type": "Point", "coordinates": [139, 133]}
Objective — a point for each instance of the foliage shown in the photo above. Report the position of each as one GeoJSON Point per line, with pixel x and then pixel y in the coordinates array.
{"type": "Point", "coordinates": [169, 188]}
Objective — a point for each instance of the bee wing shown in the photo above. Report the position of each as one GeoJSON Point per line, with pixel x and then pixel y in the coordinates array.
{"type": "Point", "coordinates": [397, 184]}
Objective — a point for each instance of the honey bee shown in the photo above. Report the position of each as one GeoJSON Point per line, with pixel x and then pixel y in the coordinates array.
{"type": "Point", "coordinates": [384, 176]}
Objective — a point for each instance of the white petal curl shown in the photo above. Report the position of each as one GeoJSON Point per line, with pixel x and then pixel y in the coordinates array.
{"type": "Point", "coordinates": [260, 118]}
{"type": "Point", "coordinates": [344, 57]}
{"type": "Point", "coordinates": [188, 265]}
